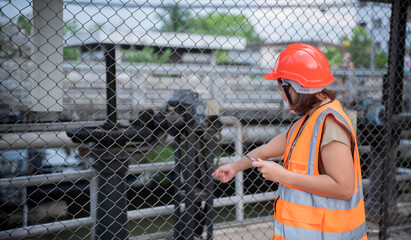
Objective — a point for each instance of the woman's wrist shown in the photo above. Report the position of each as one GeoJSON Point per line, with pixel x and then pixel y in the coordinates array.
{"type": "Point", "coordinates": [240, 165]}
{"type": "Point", "coordinates": [288, 177]}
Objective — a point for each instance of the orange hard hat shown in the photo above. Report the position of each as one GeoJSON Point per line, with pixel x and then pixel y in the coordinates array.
{"type": "Point", "coordinates": [304, 64]}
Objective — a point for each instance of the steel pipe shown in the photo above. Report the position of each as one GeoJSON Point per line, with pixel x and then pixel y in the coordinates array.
{"type": "Point", "coordinates": [35, 140]}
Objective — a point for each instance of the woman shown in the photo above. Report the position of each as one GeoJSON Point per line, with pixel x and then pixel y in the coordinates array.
{"type": "Point", "coordinates": [320, 190]}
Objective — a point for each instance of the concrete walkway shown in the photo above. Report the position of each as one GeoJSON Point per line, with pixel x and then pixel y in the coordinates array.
{"type": "Point", "coordinates": [262, 230]}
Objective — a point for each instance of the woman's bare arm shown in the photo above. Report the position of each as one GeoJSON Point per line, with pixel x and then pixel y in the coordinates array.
{"type": "Point", "coordinates": [339, 179]}
{"type": "Point", "coordinates": [274, 148]}
{"type": "Point", "coordinates": [338, 182]}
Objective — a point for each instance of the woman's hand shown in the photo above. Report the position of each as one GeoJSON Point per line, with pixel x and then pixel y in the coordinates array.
{"type": "Point", "coordinates": [270, 170]}
{"type": "Point", "coordinates": [224, 173]}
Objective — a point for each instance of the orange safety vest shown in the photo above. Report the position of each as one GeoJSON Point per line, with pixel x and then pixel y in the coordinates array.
{"type": "Point", "coordinates": [302, 215]}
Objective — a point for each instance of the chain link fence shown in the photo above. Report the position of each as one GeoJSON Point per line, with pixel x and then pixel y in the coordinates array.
{"type": "Point", "coordinates": [114, 114]}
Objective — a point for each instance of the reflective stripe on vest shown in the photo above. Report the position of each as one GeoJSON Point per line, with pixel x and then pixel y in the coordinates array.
{"type": "Point", "coordinates": [301, 197]}
{"type": "Point", "coordinates": [290, 133]}
{"type": "Point", "coordinates": [288, 232]}
{"type": "Point", "coordinates": [314, 138]}
{"type": "Point", "coordinates": [303, 215]}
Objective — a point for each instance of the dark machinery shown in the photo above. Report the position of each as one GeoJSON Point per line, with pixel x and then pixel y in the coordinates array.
{"type": "Point", "coordinates": [195, 144]}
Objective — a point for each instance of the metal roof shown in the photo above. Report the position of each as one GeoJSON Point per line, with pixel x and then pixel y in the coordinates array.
{"type": "Point", "coordinates": [158, 39]}
{"type": "Point", "coordinates": [384, 1]}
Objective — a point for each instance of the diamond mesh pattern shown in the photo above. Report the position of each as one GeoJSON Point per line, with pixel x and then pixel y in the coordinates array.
{"type": "Point", "coordinates": [121, 144]}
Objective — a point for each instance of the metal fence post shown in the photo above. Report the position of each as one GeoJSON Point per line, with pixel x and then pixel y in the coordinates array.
{"type": "Point", "coordinates": [239, 178]}
{"type": "Point", "coordinates": [392, 99]}
{"type": "Point", "coordinates": [209, 185]}
{"type": "Point", "coordinates": [93, 201]}
{"type": "Point", "coordinates": [111, 214]}
{"type": "Point", "coordinates": [110, 56]}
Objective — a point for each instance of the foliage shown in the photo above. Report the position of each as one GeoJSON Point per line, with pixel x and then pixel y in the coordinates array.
{"type": "Point", "coordinates": [161, 154]}
{"type": "Point", "coordinates": [221, 57]}
{"type": "Point", "coordinates": [2, 18]}
{"type": "Point", "coordinates": [334, 56]}
{"type": "Point", "coordinates": [225, 24]}
{"type": "Point", "coordinates": [147, 55]}
{"type": "Point", "coordinates": [381, 59]}
{"type": "Point", "coordinates": [214, 23]}
{"type": "Point", "coordinates": [71, 54]}
{"type": "Point", "coordinates": [23, 23]}
{"type": "Point", "coordinates": [95, 27]}
{"type": "Point", "coordinates": [71, 27]}
{"type": "Point", "coordinates": [359, 48]}
{"type": "Point", "coordinates": [177, 19]}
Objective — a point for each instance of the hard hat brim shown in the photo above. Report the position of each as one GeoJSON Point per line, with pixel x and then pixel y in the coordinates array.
{"type": "Point", "coordinates": [271, 76]}
{"type": "Point", "coordinates": [295, 77]}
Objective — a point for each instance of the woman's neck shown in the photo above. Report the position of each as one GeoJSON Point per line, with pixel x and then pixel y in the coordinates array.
{"type": "Point", "coordinates": [317, 105]}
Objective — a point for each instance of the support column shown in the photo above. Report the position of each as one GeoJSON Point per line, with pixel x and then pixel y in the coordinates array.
{"type": "Point", "coordinates": [110, 167]}
{"type": "Point", "coordinates": [392, 100]}
{"type": "Point", "coordinates": [110, 56]}
{"type": "Point", "coordinates": [47, 76]}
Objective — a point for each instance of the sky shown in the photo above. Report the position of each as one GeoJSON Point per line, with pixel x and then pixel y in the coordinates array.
{"type": "Point", "coordinates": [274, 21]}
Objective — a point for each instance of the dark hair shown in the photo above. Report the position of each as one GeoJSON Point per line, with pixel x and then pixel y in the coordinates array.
{"type": "Point", "coordinates": [305, 102]}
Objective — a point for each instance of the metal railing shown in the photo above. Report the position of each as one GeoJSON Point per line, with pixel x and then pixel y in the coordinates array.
{"type": "Point", "coordinates": [37, 180]}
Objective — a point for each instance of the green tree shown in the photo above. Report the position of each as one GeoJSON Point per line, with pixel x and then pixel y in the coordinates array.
{"type": "Point", "coordinates": [381, 59]}
{"type": "Point", "coordinates": [222, 58]}
{"type": "Point", "coordinates": [95, 27]}
{"type": "Point", "coordinates": [334, 56]}
{"type": "Point", "coordinates": [3, 20]}
{"type": "Point", "coordinates": [71, 53]}
{"type": "Point", "coordinates": [226, 24]}
{"type": "Point", "coordinates": [360, 50]}
{"type": "Point", "coordinates": [176, 20]}
{"type": "Point", "coordinates": [214, 23]}
{"type": "Point", "coordinates": [71, 27]}
{"type": "Point", "coordinates": [359, 47]}
{"type": "Point", "coordinates": [23, 23]}
{"type": "Point", "coordinates": [147, 55]}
